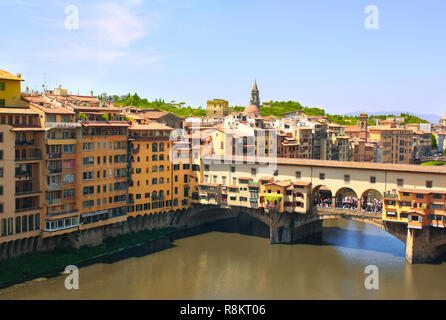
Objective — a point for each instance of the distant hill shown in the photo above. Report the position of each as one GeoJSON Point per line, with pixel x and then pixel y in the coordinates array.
{"type": "Point", "coordinates": [432, 118]}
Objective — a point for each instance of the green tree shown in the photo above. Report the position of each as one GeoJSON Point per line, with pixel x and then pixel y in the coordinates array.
{"type": "Point", "coordinates": [434, 142]}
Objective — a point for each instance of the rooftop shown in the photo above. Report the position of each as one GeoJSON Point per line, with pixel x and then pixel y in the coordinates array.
{"type": "Point", "coordinates": [335, 164]}
{"type": "Point", "coordinates": [4, 75]}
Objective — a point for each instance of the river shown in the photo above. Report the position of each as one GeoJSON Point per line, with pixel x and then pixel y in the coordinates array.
{"type": "Point", "coordinates": [221, 265]}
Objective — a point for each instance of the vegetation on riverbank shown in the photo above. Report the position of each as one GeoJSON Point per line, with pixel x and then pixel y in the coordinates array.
{"type": "Point", "coordinates": [433, 163]}
{"type": "Point", "coordinates": [36, 264]}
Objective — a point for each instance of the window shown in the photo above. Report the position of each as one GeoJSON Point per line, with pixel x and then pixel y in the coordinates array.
{"type": "Point", "coordinates": [429, 184]}
{"type": "Point", "coordinates": [69, 148]}
{"type": "Point", "coordinates": [400, 182]}
{"type": "Point", "coordinates": [232, 169]}
{"type": "Point", "coordinates": [276, 172]}
{"type": "Point", "coordinates": [253, 171]}
{"type": "Point", "coordinates": [68, 178]}
{"type": "Point", "coordinates": [298, 174]}
{"type": "Point", "coordinates": [2, 102]}
{"type": "Point", "coordinates": [88, 146]}
{"type": "Point", "coordinates": [372, 179]}
{"type": "Point", "coordinates": [346, 178]}
{"type": "Point", "coordinates": [322, 176]}
{"type": "Point", "coordinates": [2, 86]}
{"type": "Point", "coordinates": [206, 167]}
{"type": "Point", "coordinates": [88, 175]}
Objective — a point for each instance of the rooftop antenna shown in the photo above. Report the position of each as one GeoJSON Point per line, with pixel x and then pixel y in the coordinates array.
{"type": "Point", "coordinates": [44, 83]}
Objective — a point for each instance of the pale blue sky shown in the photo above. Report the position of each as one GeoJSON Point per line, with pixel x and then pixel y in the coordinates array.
{"type": "Point", "coordinates": [317, 52]}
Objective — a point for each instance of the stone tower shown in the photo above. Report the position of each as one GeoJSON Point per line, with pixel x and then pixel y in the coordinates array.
{"type": "Point", "coordinates": [255, 100]}
{"type": "Point", "coordinates": [363, 120]}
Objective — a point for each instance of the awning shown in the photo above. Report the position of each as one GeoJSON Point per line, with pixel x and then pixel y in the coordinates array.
{"type": "Point", "coordinates": [90, 214]}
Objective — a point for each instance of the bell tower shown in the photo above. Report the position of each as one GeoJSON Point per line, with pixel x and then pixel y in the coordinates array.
{"type": "Point", "coordinates": [255, 100]}
{"type": "Point", "coordinates": [363, 120]}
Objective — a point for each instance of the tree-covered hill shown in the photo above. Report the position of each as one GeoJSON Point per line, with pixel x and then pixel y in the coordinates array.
{"type": "Point", "coordinates": [272, 108]}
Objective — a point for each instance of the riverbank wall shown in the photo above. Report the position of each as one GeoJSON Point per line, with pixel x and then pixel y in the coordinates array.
{"type": "Point", "coordinates": [188, 219]}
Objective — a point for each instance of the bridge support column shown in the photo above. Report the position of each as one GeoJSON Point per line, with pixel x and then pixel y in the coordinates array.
{"type": "Point", "coordinates": [280, 235]}
{"type": "Point", "coordinates": [291, 234]}
{"type": "Point", "coordinates": [424, 245]}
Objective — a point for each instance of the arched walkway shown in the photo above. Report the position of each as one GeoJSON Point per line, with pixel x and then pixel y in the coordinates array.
{"type": "Point", "coordinates": [346, 198]}
{"type": "Point", "coordinates": [372, 201]}
{"type": "Point", "coordinates": [322, 196]}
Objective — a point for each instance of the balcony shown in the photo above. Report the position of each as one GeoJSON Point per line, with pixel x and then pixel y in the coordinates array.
{"type": "Point", "coordinates": [54, 170]}
{"type": "Point", "coordinates": [60, 213]}
{"type": "Point", "coordinates": [21, 192]}
{"type": "Point", "coordinates": [391, 195]}
{"type": "Point", "coordinates": [27, 209]}
{"type": "Point", "coordinates": [55, 155]}
{"type": "Point", "coordinates": [62, 125]}
{"type": "Point", "coordinates": [29, 154]}
{"type": "Point", "coordinates": [54, 201]}
{"type": "Point", "coordinates": [54, 186]}
{"type": "Point", "coordinates": [23, 174]}
{"type": "Point", "coordinates": [24, 143]}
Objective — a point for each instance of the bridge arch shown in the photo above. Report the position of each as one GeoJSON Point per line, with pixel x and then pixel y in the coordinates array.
{"type": "Point", "coordinates": [371, 201]}
{"type": "Point", "coordinates": [346, 198]}
{"type": "Point", "coordinates": [322, 196]}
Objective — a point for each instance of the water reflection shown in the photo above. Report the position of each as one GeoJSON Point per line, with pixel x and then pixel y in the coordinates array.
{"type": "Point", "coordinates": [219, 265]}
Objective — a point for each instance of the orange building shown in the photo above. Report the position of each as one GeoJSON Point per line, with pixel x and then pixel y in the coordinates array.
{"type": "Point", "coordinates": [416, 207]}
{"type": "Point", "coordinates": [102, 191]}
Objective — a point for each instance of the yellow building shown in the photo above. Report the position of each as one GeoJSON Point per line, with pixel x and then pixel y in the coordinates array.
{"type": "Point", "coordinates": [10, 89]}
{"type": "Point", "coordinates": [151, 169]}
{"type": "Point", "coordinates": [217, 108]}
{"type": "Point", "coordinates": [159, 184]}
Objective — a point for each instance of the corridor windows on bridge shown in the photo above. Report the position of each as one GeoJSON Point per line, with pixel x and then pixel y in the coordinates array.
{"type": "Point", "coordinates": [232, 169]}
{"type": "Point", "coordinates": [276, 172]}
{"type": "Point", "coordinates": [253, 171]}
{"type": "Point", "coordinates": [400, 182]}
{"type": "Point", "coordinates": [298, 175]}
{"type": "Point", "coordinates": [322, 176]}
{"type": "Point", "coordinates": [429, 184]}
{"type": "Point", "coordinates": [347, 178]}
{"type": "Point", "coordinates": [372, 179]}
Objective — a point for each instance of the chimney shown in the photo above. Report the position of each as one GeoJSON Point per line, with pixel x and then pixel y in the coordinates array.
{"type": "Point", "coordinates": [91, 93]}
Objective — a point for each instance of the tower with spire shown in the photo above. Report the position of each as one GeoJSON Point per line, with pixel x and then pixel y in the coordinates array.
{"type": "Point", "coordinates": [255, 100]}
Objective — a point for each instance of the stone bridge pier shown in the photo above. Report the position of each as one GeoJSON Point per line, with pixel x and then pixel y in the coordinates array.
{"type": "Point", "coordinates": [424, 245]}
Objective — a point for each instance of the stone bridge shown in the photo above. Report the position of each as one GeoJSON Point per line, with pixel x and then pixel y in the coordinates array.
{"type": "Point", "coordinates": [423, 245]}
